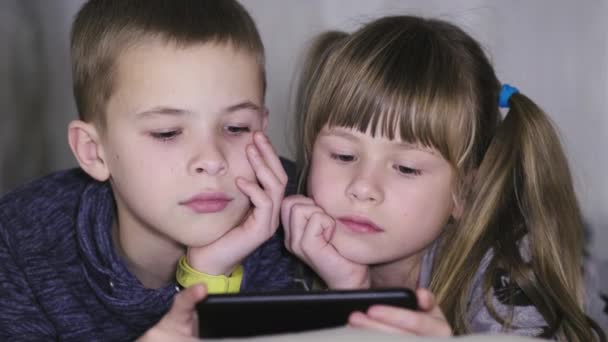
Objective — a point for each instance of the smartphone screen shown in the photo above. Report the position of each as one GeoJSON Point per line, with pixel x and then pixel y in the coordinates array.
{"type": "Point", "coordinates": [254, 314]}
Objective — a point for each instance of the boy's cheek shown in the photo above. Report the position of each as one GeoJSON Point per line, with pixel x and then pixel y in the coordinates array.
{"type": "Point", "coordinates": [242, 168]}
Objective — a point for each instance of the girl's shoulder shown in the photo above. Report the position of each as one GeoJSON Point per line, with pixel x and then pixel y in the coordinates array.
{"type": "Point", "coordinates": [597, 290]}
{"type": "Point", "coordinates": [505, 295]}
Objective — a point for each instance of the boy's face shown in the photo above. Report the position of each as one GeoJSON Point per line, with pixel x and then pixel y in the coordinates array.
{"type": "Point", "coordinates": [178, 123]}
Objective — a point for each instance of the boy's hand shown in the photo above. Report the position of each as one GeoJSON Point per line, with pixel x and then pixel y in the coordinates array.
{"type": "Point", "coordinates": [223, 255]}
{"type": "Point", "coordinates": [181, 322]}
{"type": "Point", "coordinates": [308, 232]}
{"type": "Point", "coordinates": [428, 321]}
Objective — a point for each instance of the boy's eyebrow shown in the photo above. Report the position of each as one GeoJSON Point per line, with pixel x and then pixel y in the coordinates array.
{"type": "Point", "coordinates": [244, 105]}
{"type": "Point", "coordinates": [164, 111]}
{"type": "Point", "coordinates": [172, 111]}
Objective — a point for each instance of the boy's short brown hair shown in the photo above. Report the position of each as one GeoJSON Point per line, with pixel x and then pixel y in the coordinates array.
{"type": "Point", "coordinates": [103, 29]}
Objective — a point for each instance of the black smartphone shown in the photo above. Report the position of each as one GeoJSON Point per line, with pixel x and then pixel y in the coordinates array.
{"type": "Point", "coordinates": [253, 314]}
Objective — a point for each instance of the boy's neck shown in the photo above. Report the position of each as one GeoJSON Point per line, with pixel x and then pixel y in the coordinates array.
{"type": "Point", "coordinates": [400, 273]}
{"type": "Point", "coordinates": [151, 259]}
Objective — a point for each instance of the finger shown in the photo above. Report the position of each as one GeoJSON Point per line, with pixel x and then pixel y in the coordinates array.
{"type": "Point", "coordinates": [313, 238]}
{"type": "Point", "coordinates": [360, 320]}
{"type": "Point", "coordinates": [262, 170]}
{"type": "Point", "coordinates": [415, 322]}
{"type": "Point", "coordinates": [301, 214]}
{"type": "Point", "coordinates": [269, 182]}
{"type": "Point", "coordinates": [195, 325]}
{"type": "Point", "coordinates": [286, 206]}
{"type": "Point", "coordinates": [270, 156]}
{"type": "Point", "coordinates": [262, 205]}
{"type": "Point", "coordinates": [181, 314]}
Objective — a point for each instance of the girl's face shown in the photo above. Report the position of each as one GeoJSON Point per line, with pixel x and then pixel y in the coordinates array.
{"type": "Point", "coordinates": [390, 199]}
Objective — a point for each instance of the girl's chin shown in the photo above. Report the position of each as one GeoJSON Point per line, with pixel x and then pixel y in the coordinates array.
{"type": "Point", "coordinates": [355, 252]}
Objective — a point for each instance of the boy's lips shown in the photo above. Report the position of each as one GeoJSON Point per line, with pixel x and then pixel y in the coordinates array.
{"type": "Point", "coordinates": [360, 224]}
{"type": "Point", "coordinates": [208, 202]}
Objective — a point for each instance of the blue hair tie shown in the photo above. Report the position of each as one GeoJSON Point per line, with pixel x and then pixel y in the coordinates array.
{"type": "Point", "coordinates": [505, 94]}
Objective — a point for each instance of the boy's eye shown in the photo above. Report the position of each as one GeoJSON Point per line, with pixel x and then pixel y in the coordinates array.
{"type": "Point", "coordinates": [408, 171]}
{"type": "Point", "coordinates": [165, 136]}
{"type": "Point", "coordinates": [236, 130]}
{"type": "Point", "coordinates": [345, 158]}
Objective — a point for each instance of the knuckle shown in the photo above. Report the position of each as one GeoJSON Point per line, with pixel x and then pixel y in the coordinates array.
{"type": "Point", "coordinates": [265, 202]}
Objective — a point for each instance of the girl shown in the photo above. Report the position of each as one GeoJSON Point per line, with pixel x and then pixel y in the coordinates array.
{"type": "Point", "coordinates": [412, 178]}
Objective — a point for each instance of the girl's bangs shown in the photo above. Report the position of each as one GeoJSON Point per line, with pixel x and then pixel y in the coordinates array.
{"type": "Point", "coordinates": [415, 110]}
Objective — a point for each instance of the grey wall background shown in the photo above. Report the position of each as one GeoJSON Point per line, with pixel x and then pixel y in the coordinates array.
{"type": "Point", "coordinates": [556, 51]}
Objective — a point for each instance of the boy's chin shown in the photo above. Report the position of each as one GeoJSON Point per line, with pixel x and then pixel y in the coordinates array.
{"type": "Point", "coordinates": [199, 241]}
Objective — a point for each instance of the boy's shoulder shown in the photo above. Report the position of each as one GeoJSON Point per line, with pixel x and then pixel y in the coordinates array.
{"type": "Point", "coordinates": [51, 190]}
{"type": "Point", "coordinates": [49, 202]}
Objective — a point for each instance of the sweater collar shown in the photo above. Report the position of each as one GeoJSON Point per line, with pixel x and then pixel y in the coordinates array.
{"type": "Point", "coordinates": [103, 269]}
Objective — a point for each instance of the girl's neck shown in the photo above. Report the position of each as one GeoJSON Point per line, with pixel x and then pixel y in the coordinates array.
{"type": "Point", "coordinates": [151, 257]}
{"type": "Point", "coordinates": [399, 273]}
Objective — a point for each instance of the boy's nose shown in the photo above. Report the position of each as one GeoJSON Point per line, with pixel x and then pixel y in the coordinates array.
{"type": "Point", "coordinates": [209, 161]}
{"type": "Point", "coordinates": [210, 167]}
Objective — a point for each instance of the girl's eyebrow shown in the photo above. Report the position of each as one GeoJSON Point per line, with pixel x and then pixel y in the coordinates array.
{"type": "Point", "coordinates": [353, 137]}
{"type": "Point", "coordinates": [339, 133]}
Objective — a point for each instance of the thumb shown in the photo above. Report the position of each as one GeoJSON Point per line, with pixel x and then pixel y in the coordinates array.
{"type": "Point", "coordinates": [427, 303]}
{"type": "Point", "coordinates": [182, 314]}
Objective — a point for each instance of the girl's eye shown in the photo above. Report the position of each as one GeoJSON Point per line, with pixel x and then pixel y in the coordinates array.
{"type": "Point", "coordinates": [166, 136]}
{"type": "Point", "coordinates": [408, 171]}
{"type": "Point", "coordinates": [345, 158]}
{"type": "Point", "coordinates": [236, 130]}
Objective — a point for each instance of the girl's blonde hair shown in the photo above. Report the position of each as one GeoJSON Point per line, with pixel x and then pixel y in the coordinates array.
{"type": "Point", "coordinates": [431, 83]}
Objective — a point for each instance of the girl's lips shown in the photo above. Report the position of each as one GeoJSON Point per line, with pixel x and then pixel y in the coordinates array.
{"type": "Point", "coordinates": [359, 224]}
{"type": "Point", "coordinates": [207, 202]}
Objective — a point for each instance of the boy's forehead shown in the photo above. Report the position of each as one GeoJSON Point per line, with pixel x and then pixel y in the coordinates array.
{"type": "Point", "coordinates": [157, 74]}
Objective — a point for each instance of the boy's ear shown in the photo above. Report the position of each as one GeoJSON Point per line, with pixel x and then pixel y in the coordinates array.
{"type": "Point", "coordinates": [85, 143]}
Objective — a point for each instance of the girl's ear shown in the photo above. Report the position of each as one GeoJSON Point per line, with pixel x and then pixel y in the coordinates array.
{"type": "Point", "coordinates": [459, 197]}
{"type": "Point", "coordinates": [458, 206]}
{"type": "Point", "coordinates": [85, 143]}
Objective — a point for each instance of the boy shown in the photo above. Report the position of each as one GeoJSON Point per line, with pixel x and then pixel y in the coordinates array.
{"type": "Point", "coordinates": [171, 102]}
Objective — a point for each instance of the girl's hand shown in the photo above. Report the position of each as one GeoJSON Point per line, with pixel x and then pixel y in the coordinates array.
{"type": "Point", "coordinates": [308, 232]}
{"type": "Point", "coordinates": [428, 321]}
{"type": "Point", "coordinates": [181, 322]}
{"type": "Point", "coordinates": [223, 255]}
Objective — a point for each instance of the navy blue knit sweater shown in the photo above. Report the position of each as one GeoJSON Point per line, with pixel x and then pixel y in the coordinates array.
{"type": "Point", "coordinates": [61, 278]}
